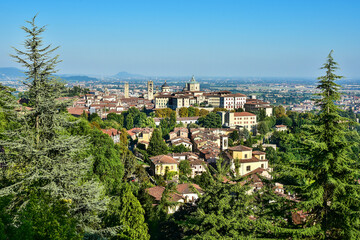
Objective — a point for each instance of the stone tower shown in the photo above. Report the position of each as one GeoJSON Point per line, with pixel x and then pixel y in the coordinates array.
{"type": "Point", "coordinates": [126, 90]}
{"type": "Point", "coordinates": [150, 89]}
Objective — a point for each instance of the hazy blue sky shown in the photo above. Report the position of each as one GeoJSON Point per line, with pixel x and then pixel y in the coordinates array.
{"type": "Point", "coordinates": [211, 38]}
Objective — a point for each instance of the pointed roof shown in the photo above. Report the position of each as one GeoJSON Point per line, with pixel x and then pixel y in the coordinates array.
{"type": "Point", "coordinates": [165, 85]}
{"type": "Point", "coordinates": [193, 79]}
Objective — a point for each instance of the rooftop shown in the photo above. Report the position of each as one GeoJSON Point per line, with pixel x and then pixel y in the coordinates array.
{"type": "Point", "coordinates": [240, 148]}
{"type": "Point", "coordinates": [163, 159]}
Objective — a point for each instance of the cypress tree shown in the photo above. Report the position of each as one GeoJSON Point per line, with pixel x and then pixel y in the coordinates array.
{"type": "Point", "coordinates": [125, 211]}
{"type": "Point", "coordinates": [39, 154]}
{"type": "Point", "coordinates": [157, 146]}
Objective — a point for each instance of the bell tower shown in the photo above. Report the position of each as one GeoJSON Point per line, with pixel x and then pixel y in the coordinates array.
{"type": "Point", "coordinates": [126, 90]}
{"type": "Point", "coordinates": [150, 90]}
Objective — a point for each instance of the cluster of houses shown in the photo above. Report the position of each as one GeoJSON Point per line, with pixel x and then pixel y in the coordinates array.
{"type": "Point", "coordinates": [106, 102]}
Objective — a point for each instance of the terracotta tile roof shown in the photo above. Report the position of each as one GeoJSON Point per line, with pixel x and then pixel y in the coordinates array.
{"type": "Point", "coordinates": [163, 159]}
{"type": "Point", "coordinates": [157, 192]}
{"type": "Point", "coordinates": [255, 171]}
{"type": "Point", "coordinates": [197, 162]}
{"type": "Point", "coordinates": [280, 126]}
{"type": "Point", "coordinates": [235, 95]}
{"type": "Point", "coordinates": [133, 131]}
{"type": "Point", "coordinates": [77, 111]}
{"type": "Point", "coordinates": [186, 188]}
{"type": "Point", "coordinates": [258, 153]}
{"type": "Point", "coordinates": [240, 148]}
{"type": "Point", "coordinates": [253, 159]}
{"type": "Point", "coordinates": [243, 114]}
{"type": "Point", "coordinates": [187, 118]}
{"type": "Point", "coordinates": [110, 132]}
{"type": "Point", "coordinates": [180, 142]}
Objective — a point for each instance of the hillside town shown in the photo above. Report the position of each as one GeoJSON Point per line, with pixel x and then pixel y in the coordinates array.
{"type": "Point", "coordinates": [156, 153]}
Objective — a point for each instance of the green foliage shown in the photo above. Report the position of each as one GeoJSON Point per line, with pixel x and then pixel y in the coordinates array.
{"type": "Point", "coordinates": [279, 111]}
{"type": "Point", "coordinates": [212, 120]}
{"type": "Point", "coordinates": [183, 112]}
{"type": "Point", "coordinates": [168, 124]}
{"type": "Point", "coordinates": [42, 218]}
{"type": "Point", "coordinates": [40, 154]}
{"type": "Point", "coordinates": [227, 219]}
{"type": "Point", "coordinates": [325, 177]}
{"type": "Point", "coordinates": [185, 168]}
{"type": "Point", "coordinates": [180, 148]}
{"type": "Point", "coordinates": [94, 117]}
{"type": "Point", "coordinates": [107, 165]}
{"type": "Point", "coordinates": [129, 121]}
{"type": "Point", "coordinates": [129, 162]}
{"type": "Point", "coordinates": [263, 128]}
{"type": "Point", "coordinates": [7, 106]}
{"type": "Point", "coordinates": [203, 112]}
{"type": "Point", "coordinates": [126, 213]}
{"type": "Point", "coordinates": [157, 146]}
{"type": "Point", "coordinates": [234, 135]}
{"type": "Point", "coordinates": [164, 112]}
{"type": "Point", "coordinates": [119, 118]}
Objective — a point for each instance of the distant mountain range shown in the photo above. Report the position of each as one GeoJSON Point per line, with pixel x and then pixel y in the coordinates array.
{"type": "Point", "coordinates": [10, 73]}
{"type": "Point", "coordinates": [79, 78]}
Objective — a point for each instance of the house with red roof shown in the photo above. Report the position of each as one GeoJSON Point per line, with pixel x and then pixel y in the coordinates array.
{"type": "Point", "coordinates": [244, 161]}
{"type": "Point", "coordinates": [163, 163]}
{"type": "Point", "coordinates": [113, 133]}
{"type": "Point", "coordinates": [157, 193]}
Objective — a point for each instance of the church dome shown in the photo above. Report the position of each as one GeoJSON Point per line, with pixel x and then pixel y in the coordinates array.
{"type": "Point", "coordinates": [165, 85]}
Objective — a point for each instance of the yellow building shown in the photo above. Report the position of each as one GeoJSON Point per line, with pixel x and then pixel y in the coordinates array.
{"type": "Point", "coordinates": [163, 163]}
{"type": "Point", "coordinates": [247, 159]}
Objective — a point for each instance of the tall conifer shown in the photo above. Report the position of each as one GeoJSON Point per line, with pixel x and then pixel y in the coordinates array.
{"type": "Point", "coordinates": [39, 154]}
{"type": "Point", "coordinates": [326, 177]}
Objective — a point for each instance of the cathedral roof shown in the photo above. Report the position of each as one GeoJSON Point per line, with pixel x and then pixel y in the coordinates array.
{"type": "Point", "coordinates": [193, 80]}
{"type": "Point", "coordinates": [165, 85]}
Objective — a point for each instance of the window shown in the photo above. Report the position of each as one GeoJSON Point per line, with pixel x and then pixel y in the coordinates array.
{"type": "Point", "coordinates": [172, 167]}
{"type": "Point", "coordinates": [245, 155]}
{"type": "Point", "coordinates": [248, 168]}
{"type": "Point", "coordinates": [262, 165]}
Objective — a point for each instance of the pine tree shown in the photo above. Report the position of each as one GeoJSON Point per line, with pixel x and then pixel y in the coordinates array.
{"type": "Point", "coordinates": [39, 154]}
{"type": "Point", "coordinates": [157, 146]}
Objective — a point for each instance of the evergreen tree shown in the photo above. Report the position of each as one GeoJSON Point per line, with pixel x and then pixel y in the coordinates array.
{"type": "Point", "coordinates": [129, 121]}
{"type": "Point", "coordinates": [172, 120]}
{"type": "Point", "coordinates": [222, 213]}
{"type": "Point", "coordinates": [38, 154]}
{"type": "Point", "coordinates": [124, 138]}
{"type": "Point", "coordinates": [157, 146]}
{"type": "Point", "coordinates": [263, 127]}
{"type": "Point", "coordinates": [326, 180]}
{"type": "Point", "coordinates": [234, 135]}
{"type": "Point", "coordinates": [126, 212]}
{"type": "Point", "coordinates": [185, 168]}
